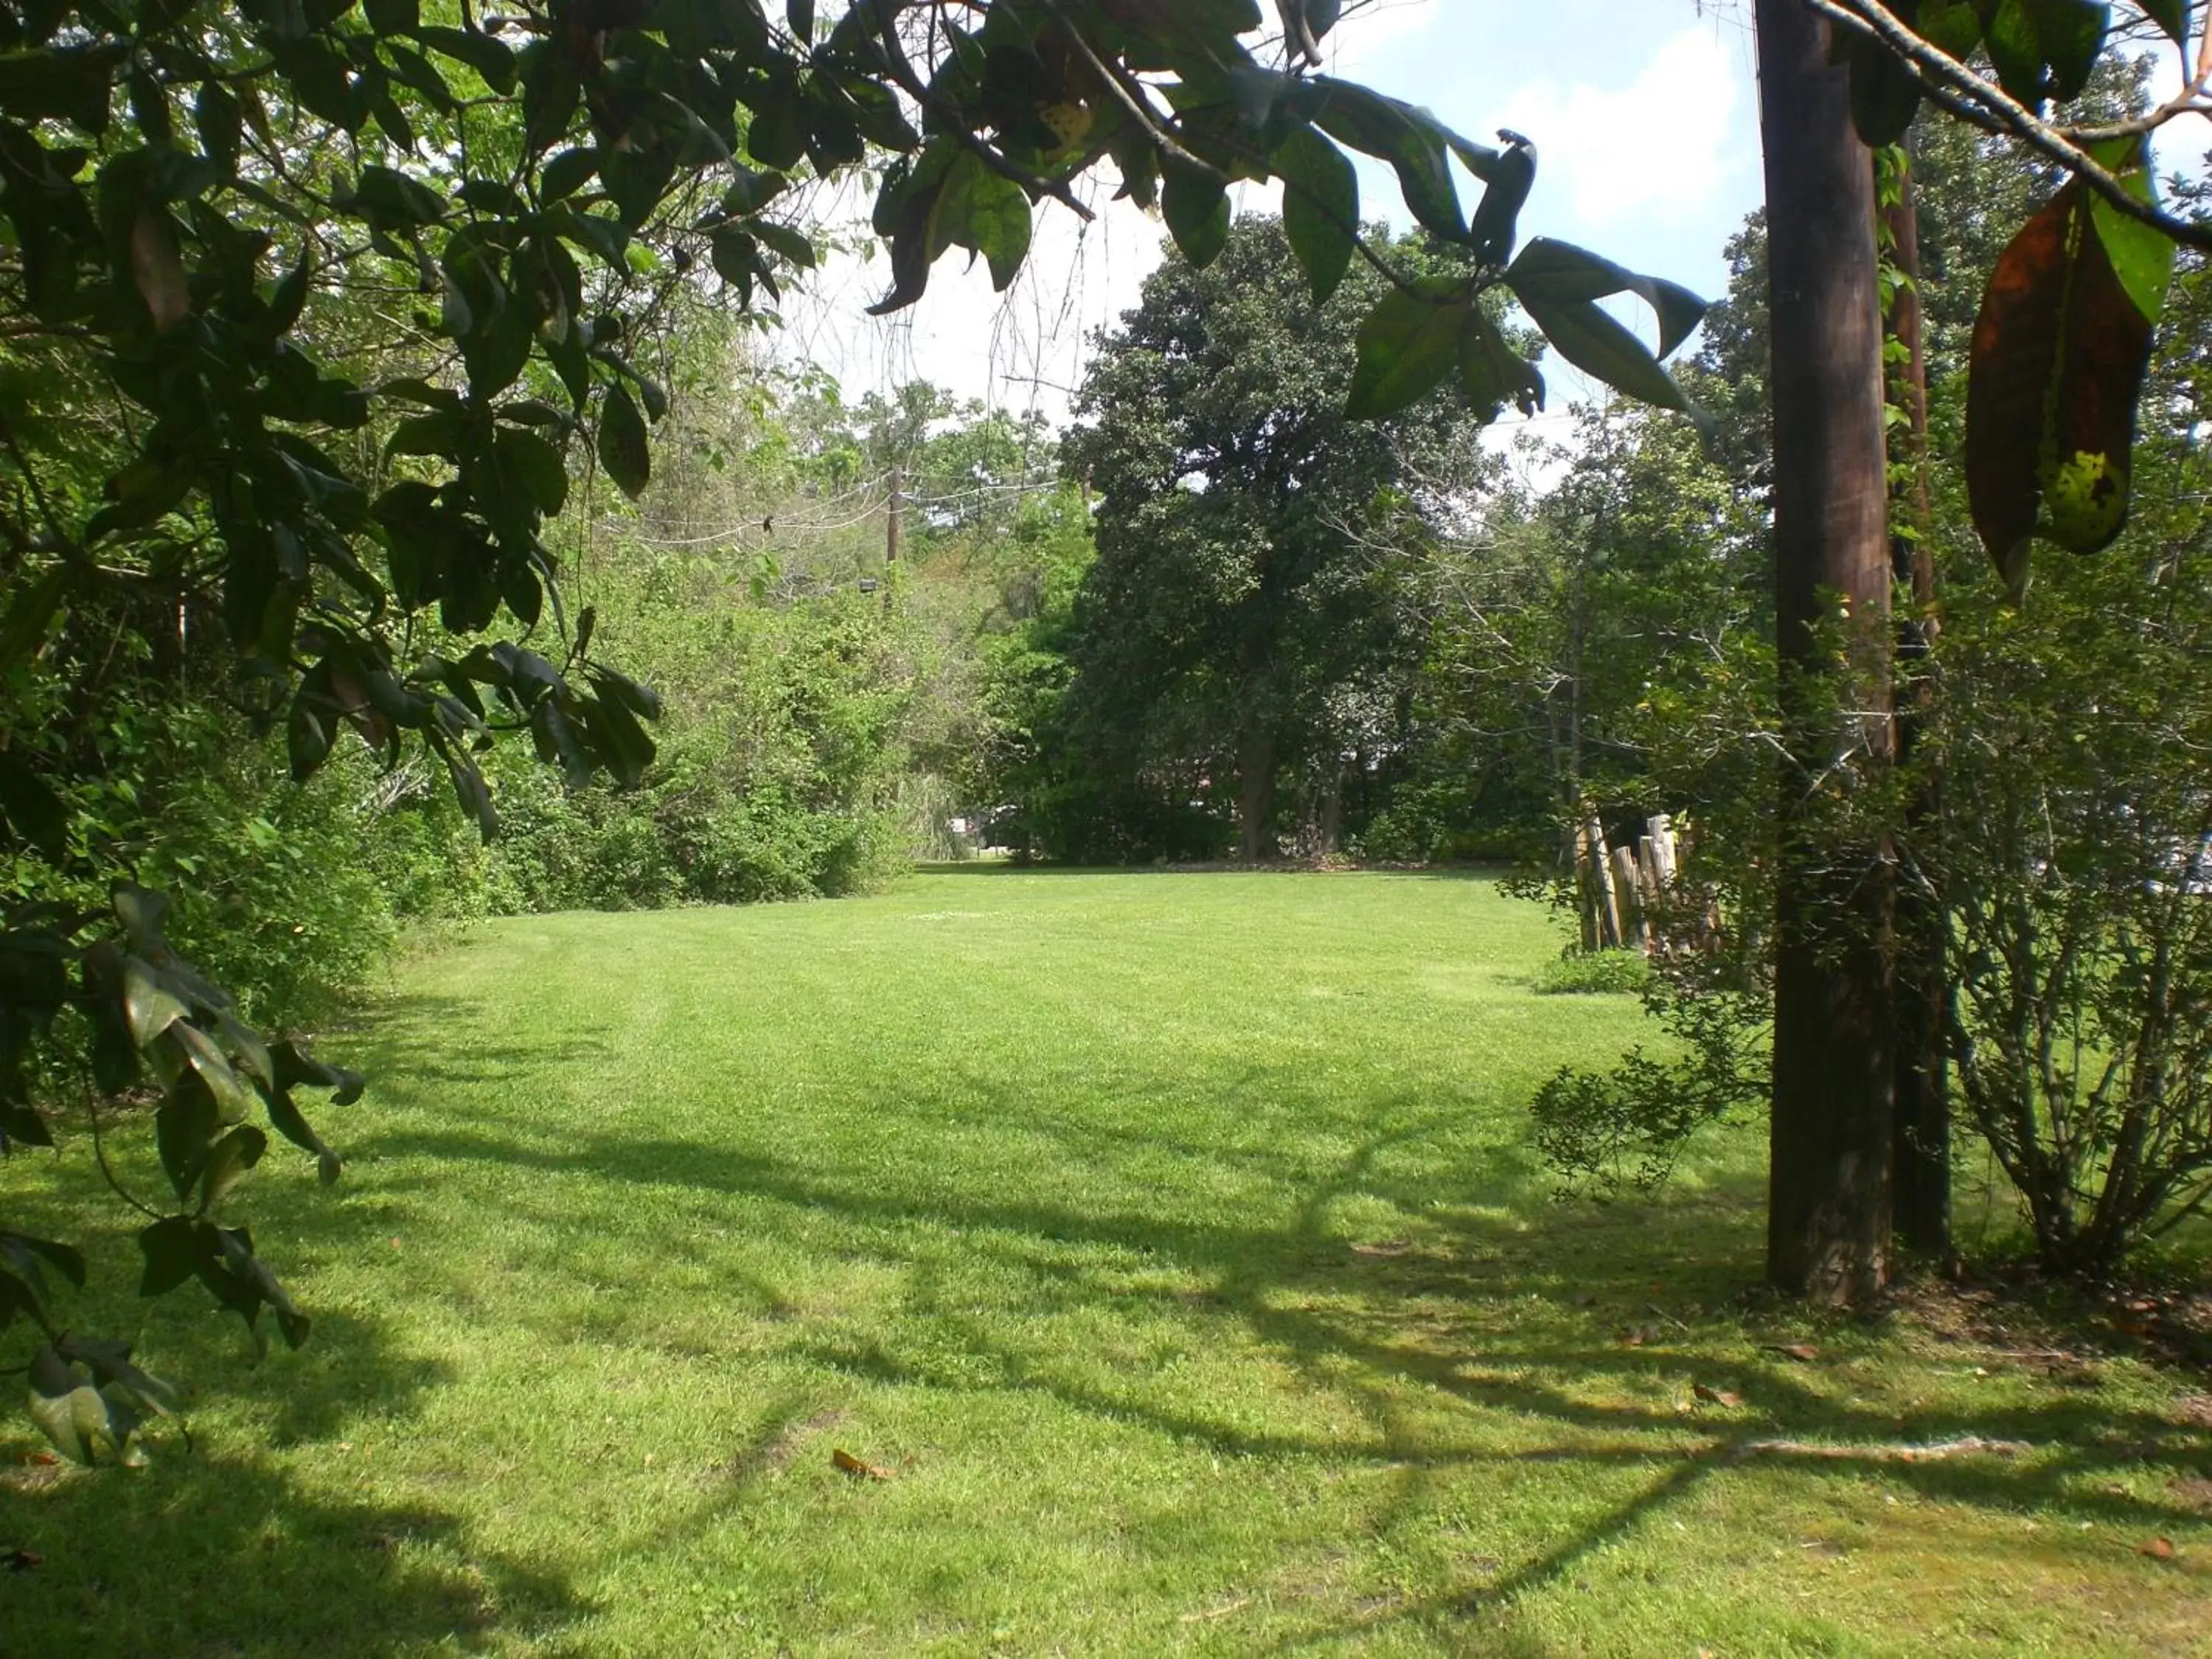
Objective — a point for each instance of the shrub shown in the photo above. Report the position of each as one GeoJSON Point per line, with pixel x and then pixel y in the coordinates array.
{"type": "Point", "coordinates": [1582, 973]}
{"type": "Point", "coordinates": [2071, 855]}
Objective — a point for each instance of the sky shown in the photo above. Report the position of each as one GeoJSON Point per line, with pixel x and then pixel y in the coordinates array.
{"type": "Point", "coordinates": [1643, 112]}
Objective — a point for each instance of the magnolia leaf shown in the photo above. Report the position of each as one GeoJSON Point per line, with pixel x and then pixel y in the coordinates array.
{"type": "Point", "coordinates": [1601, 347]}
{"type": "Point", "coordinates": [978, 209]}
{"type": "Point", "coordinates": [2059, 352]}
{"type": "Point", "coordinates": [111, 1366]}
{"type": "Point", "coordinates": [2069, 34]}
{"type": "Point", "coordinates": [232, 1097]}
{"type": "Point", "coordinates": [171, 1247]}
{"type": "Point", "coordinates": [1884, 94]}
{"type": "Point", "coordinates": [1196, 207]}
{"type": "Point", "coordinates": [1954, 25]}
{"type": "Point", "coordinates": [1416, 145]}
{"type": "Point", "coordinates": [150, 1006]}
{"type": "Point", "coordinates": [624, 449]}
{"type": "Point", "coordinates": [234, 1155]}
{"type": "Point", "coordinates": [2171, 15]}
{"type": "Point", "coordinates": [27, 1253]}
{"type": "Point", "coordinates": [1498, 216]}
{"type": "Point", "coordinates": [1407, 346]}
{"type": "Point", "coordinates": [69, 1412]}
{"type": "Point", "coordinates": [1492, 373]}
{"type": "Point", "coordinates": [157, 267]}
{"type": "Point", "coordinates": [1321, 207]}
{"type": "Point", "coordinates": [1561, 272]}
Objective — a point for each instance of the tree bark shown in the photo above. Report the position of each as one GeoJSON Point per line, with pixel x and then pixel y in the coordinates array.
{"type": "Point", "coordinates": [1255, 790]}
{"type": "Point", "coordinates": [1829, 1197]}
{"type": "Point", "coordinates": [1921, 1156]}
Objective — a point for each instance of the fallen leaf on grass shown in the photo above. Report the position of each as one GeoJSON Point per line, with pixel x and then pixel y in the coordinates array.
{"type": "Point", "coordinates": [1803, 1352]}
{"type": "Point", "coordinates": [1387, 1247]}
{"type": "Point", "coordinates": [1717, 1397]}
{"type": "Point", "coordinates": [853, 1466]}
{"type": "Point", "coordinates": [2158, 1549]}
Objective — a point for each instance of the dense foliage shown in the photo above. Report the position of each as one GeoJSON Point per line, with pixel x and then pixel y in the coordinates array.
{"type": "Point", "coordinates": [331, 342]}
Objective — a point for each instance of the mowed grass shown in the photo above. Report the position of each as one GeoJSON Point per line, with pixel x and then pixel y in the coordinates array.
{"type": "Point", "coordinates": [1172, 1245]}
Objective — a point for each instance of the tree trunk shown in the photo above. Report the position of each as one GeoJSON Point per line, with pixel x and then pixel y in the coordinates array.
{"type": "Point", "coordinates": [1829, 1197]}
{"type": "Point", "coordinates": [1330, 830]}
{"type": "Point", "coordinates": [1255, 790]}
{"type": "Point", "coordinates": [1923, 1148]}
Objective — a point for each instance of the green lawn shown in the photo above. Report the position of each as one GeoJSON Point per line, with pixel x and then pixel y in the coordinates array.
{"type": "Point", "coordinates": [1171, 1242]}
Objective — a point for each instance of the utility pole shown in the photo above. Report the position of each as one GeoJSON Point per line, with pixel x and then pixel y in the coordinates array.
{"type": "Point", "coordinates": [892, 531]}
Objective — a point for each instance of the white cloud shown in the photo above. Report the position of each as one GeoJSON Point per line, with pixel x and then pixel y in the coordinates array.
{"type": "Point", "coordinates": [1372, 30]}
{"type": "Point", "coordinates": [1661, 148]}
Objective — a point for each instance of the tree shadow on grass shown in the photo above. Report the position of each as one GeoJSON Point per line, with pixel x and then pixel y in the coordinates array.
{"type": "Point", "coordinates": [1540, 1324]}
{"type": "Point", "coordinates": [1283, 867]}
{"type": "Point", "coordinates": [217, 1546]}
{"type": "Point", "coordinates": [1390, 1314]}
{"type": "Point", "coordinates": [211, 1554]}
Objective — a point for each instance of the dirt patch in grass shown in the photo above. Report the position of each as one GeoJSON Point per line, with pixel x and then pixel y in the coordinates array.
{"type": "Point", "coordinates": [784, 1448]}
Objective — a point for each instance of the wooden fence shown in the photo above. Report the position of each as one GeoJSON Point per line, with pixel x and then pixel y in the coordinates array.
{"type": "Point", "coordinates": [1624, 888]}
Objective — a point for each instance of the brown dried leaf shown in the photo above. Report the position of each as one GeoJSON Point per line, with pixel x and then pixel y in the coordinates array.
{"type": "Point", "coordinates": [854, 1467]}
{"type": "Point", "coordinates": [1717, 1397]}
{"type": "Point", "coordinates": [2057, 365]}
{"type": "Point", "coordinates": [1803, 1352]}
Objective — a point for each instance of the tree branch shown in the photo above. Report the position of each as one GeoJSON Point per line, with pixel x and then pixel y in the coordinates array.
{"type": "Point", "coordinates": [1939, 73]}
{"type": "Point", "coordinates": [902, 71]}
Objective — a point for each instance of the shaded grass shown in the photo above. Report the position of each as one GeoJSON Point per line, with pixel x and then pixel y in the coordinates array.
{"type": "Point", "coordinates": [1174, 1242]}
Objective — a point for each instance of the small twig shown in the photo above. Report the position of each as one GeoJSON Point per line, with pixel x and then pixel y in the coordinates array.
{"type": "Point", "coordinates": [62, 540]}
{"type": "Point", "coordinates": [1968, 1446]}
{"type": "Point", "coordinates": [99, 1156]}
{"type": "Point", "coordinates": [1221, 1611]}
{"type": "Point", "coordinates": [1133, 100]}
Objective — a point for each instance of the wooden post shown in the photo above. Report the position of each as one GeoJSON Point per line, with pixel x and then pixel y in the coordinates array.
{"type": "Point", "coordinates": [1608, 915]}
{"type": "Point", "coordinates": [1662, 848]}
{"type": "Point", "coordinates": [1634, 915]}
{"type": "Point", "coordinates": [1585, 889]}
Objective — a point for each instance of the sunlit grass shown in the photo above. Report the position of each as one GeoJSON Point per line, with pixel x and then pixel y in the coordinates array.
{"type": "Point", "coordinates": [1171, 1242]}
